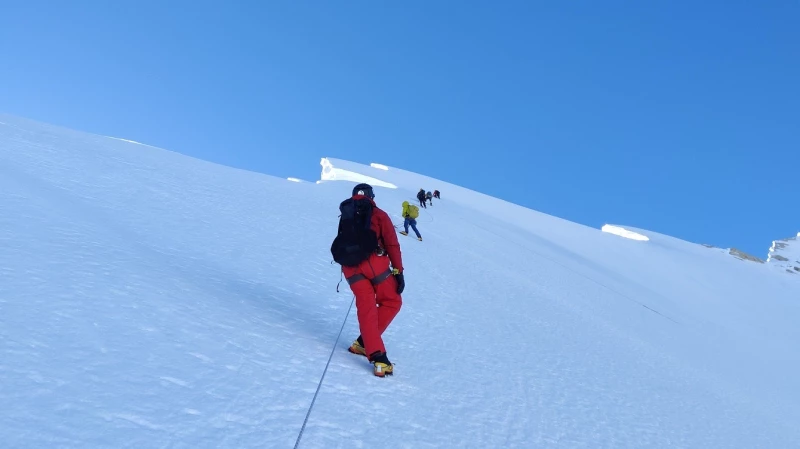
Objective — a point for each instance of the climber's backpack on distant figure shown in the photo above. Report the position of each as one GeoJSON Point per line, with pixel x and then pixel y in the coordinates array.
{"type": "Point", "coordinates": [356, 240]}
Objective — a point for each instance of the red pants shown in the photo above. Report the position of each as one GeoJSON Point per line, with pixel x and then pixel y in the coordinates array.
{"type": "Point", "coordinates": [377, 306]}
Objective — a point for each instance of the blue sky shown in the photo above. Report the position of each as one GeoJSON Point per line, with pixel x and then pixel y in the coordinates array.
{"type": "Point", "coordinates": [676, 116]}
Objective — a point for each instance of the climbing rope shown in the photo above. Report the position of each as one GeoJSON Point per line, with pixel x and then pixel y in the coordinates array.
{"type": "Point", "coordinates": [321, 379]}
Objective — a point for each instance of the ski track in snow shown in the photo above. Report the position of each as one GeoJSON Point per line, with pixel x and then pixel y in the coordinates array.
{"type": "Point", "coordinates": [153, 300]}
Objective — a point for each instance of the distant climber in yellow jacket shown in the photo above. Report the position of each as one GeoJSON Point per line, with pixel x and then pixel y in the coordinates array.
{"type": "Point", "coordinates": [410, 214]}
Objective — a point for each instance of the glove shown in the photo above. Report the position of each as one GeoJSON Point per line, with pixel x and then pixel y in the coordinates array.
{"type": "Point", "coordinates": [401, 282]}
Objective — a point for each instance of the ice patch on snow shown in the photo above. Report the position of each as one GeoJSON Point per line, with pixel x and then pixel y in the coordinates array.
{"type": "Point", "coordinates": [130, 141]}
{"type": "Point", "coordinates": [331, 173]}
{"type": "Point", "coordinates": [379, 166]}
{"type": "Point", "coordinates": [134, 419]}
{"type": "Point", "coordinates": [622, 232]}
{"type": "Point", "coordinates": [175, 381]}
{"type": "Point", "coordinates": [126, 140]}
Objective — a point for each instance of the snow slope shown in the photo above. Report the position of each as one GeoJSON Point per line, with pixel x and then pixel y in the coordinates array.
{"type": "Point", "coordinates": [148, 299]}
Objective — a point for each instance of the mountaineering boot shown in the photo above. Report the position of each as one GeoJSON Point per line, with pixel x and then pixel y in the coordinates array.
{"type": "Point", "coordinates": [382, 365]}
{"type": "Point", "coordinates": [358, 347]}
{"type": "Point", "coordinates": [419, 238]}
{"type": "Point", "coordinates": [404, 232]}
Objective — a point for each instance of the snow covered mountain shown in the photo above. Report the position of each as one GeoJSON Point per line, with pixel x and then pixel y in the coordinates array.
{"type": "Point", "coordinates": [785, 254]}
{"type": "Point", "coordinates": [148, 299]}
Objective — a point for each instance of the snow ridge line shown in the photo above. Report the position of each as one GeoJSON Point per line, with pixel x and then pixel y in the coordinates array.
{"type": "Point", "coordinates": [325, 371]}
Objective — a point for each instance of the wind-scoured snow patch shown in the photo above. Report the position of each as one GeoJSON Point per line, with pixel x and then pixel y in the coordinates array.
{"type": "Point", "coordinates": [379, 166]}
{"type": "Point", "coordinates": [622, 232]}
{"type": "Point", "coordinates": [735, 252]}
{"type": "Point", "coordinates": [331, 173]}
{"type": "Point", "coordinates": [741, 255]}
{"type": "Point", "coordinates": [293, 180]}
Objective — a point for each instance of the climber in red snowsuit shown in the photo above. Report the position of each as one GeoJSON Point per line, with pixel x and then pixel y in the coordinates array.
{"type": "Point", "coordinates": [377, 287]}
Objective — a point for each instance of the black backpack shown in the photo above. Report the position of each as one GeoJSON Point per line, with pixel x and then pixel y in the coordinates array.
{"type": "Point", "coordinates": [356, 240]}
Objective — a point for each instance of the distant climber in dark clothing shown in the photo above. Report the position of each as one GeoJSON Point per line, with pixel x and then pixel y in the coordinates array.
{"type": "Point", "coordinates": [421, 198]}
{"type": "Point", "coordinates": [429, 197]}
{"type": "Point", "coordinates": [436, 194]}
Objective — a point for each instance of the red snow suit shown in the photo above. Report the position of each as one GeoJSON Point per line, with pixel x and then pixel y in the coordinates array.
{"type": "Point", "coordinates": [377, 304]}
